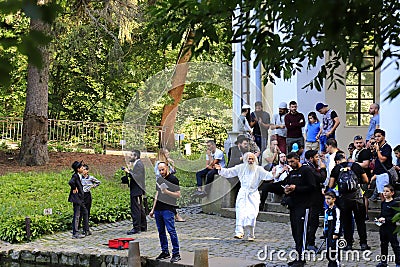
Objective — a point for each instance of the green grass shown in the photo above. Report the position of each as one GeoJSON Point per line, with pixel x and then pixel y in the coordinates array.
{"type": "Point", "coordinates": [28, 194]}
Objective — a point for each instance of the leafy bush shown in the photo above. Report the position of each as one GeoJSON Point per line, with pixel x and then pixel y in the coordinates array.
{"type": "Point", "coordinates": [28, 194]}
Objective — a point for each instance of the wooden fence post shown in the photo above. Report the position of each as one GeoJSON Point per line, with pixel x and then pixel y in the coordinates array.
{"type": "Point", "coordinates": [201, 257]}
{"type": "Point", "coordinates": [134, 254]}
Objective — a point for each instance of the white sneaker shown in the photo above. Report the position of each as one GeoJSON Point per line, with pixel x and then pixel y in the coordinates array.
{"type": "Point", "coordinates": [238, 236]}
{"type": "Point", "coordinates": [250, 238]}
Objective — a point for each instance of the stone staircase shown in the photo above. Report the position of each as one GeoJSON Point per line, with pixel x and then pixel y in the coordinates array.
{"type": "Point", "coordinates": [275, 212]}
{"type": "Point", "coordinates": [221, 200]}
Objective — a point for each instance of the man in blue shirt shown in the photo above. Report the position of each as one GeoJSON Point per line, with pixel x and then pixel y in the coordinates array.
{"type": "Point", "coordinates": [373, 123]}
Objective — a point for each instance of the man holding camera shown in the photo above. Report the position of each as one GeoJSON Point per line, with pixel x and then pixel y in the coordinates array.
{"type": "Point", "coordinates": [383, 160]}
{"type": "Point", "coordinates": [136, 173]}
{"type": "Point", "coordinates": [363, 156]}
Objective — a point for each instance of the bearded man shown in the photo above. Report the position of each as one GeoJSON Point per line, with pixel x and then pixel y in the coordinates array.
{"type": "Point", "coordinates": [248, 199]}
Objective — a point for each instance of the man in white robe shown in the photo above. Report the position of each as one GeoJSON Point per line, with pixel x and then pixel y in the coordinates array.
{"type": "Point", "coordinates": [248, 199]}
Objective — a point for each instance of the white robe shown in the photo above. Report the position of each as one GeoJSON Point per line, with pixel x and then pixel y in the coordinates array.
{"type": "Point", "coordinates": [248, 198]}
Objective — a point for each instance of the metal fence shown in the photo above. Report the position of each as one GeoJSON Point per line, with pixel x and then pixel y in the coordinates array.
{"type": "Point", "coordinates": [100, 135]}
{"type": "Point", "coordinates": [77, 133]}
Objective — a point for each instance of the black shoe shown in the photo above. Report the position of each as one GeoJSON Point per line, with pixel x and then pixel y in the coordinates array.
{"type": "Point", "coordinates": [365, 247]}
{"type": "Point", "coordinates": [348, 247]}
{"type": "Point", "coordinates": [175, 258]}
{"type": "Point", "coordinates": [133, 231]}
{"type": "Point", "coordinates": [200, 194]}
{"type": "Point", "coordinates": [77, 236]}
{"type": "Point", "coordinates": [299, 264]}
{"type": "Point", "coordinates": [143, 229]}
{"type": "Point", "coordinates": [382, 264]}
{"type": "Point", "coordinates": [312, 248]}
{"type": "Point", "coordinates": [163, 255]}
{"type": "Point", "coordinates": [88, 232]}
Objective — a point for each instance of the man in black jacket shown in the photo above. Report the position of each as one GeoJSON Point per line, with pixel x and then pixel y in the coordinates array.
{"type": "Point", "coordinates": [318, 169]}
{"type": "Point", "coordinates": [236, 152]}
{"type": "Point", "coordinates": [137, 175]}
{"type": "Point", "coordinates": [76, 197]}
{"type": "Point", "coordinates": [299, 184]}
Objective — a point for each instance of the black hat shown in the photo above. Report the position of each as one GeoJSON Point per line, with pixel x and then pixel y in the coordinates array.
{"type": "Point", "coordinates": [241, 138]}
{"type": "Point", "coordinates": [76, 165]}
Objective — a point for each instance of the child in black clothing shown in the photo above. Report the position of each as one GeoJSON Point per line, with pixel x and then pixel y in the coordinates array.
{"type": "Point", "coordinates": [76, 197]}
{"type": "Point", "coordinates": [386, 230]}
{"type": "Point", "coordinates": [331, 229]}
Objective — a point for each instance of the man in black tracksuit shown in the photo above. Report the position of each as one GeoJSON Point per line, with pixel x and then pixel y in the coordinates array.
{"type": "Point", "coordinates": [299, 184]}
{"type": "Point", "coordinates": [318, 169]}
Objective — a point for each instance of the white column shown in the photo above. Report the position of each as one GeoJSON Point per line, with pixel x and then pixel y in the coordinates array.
{"type": "Point", "coordinates": [389, 109]}
{"type": "Point", "coordinates": [236, 78]}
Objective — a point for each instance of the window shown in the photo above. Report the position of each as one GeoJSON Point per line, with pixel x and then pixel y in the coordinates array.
{"type": "Point", "coordinates": [360, 94]}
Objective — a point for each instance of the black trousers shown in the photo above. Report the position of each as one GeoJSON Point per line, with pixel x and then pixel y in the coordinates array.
{"type": "Point", "coordinates": [315, 211]}
{"type": "Point", "coordinates": [332, 252]}
{"type": "Point", "coordinates": [269, 187]}
{"type": "Point", "coordinates": [137, 212]}
{"type": "Point", "coordinates": [87, 200]}
{"type": "Point", "coordinates": [79, 211]}
{"type": "Point", "coordinates": [386, 234]}
{"type": "Point", "coordinates": [347, 208]}
{"type": "Point", "coordinates": [298, 221]}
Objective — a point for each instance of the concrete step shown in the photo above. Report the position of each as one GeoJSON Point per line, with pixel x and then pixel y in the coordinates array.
{"type": "Point", "coordinates": [277, 207]}
{"type": "Point", "coordinates": [268, 216]}
{"type": "Point", "coordinates": [188, 261]}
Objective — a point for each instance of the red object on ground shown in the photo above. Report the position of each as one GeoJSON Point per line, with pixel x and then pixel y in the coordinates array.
{"type": "Point", "coordinates": [120, 243]}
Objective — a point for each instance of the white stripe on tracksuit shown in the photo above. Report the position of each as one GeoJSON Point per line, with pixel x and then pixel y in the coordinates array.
{"type": "Point", "coordinates": [305, 225]}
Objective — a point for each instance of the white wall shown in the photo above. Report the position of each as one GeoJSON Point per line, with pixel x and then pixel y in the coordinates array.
{"type": "Point", "coordinates": [389, 109]}
{"type": "Point", "coordinates": [307, 98]}
{"type": "Point", "coordinates": [284, 91]}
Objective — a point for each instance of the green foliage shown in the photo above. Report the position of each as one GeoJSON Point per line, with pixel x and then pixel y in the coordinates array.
{"type": "Point", "coordinates": [288, 36]}
{"type": "Point", "coordinates": [28, 194]}
{"type": "Point", "coordinates": [23, 41]}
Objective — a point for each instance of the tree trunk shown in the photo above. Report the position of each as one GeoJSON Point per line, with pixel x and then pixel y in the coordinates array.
{"type": "Point", "coordinates": [178, 85]}
{"type": "Point", "coordinates": [35, 126]}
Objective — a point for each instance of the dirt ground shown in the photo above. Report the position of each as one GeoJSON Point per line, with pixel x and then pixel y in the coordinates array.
{"type": "Point", "coordinates": [105, 165]}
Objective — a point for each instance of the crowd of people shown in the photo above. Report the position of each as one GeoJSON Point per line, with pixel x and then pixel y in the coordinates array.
{"type": "Point", "coordinates": [300, 161]}
{"type": "Point", "coordinates": [303, 163]}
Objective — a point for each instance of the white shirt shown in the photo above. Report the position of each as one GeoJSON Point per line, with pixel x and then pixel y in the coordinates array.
{"type": "Point", "coordinates": [218, 154]}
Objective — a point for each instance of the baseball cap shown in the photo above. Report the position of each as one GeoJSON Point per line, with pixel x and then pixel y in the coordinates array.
{"type": "Point", "coordinates": [319, 106]}
{"type": "Point", "coordinates": [246, 106]}
{"type": "Point", "coordinates": [283, 105]}
{"type": "Point", "coordinates": [295, 147]}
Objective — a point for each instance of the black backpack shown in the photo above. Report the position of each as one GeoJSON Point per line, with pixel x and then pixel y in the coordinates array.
{"type": "Point", "coordinates": [347, 180]}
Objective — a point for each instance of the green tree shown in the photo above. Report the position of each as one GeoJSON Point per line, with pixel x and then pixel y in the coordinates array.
{"type": "Point", "coordinates": [289, 35]}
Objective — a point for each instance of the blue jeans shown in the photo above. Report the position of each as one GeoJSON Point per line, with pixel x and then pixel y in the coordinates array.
{"type": "Point", "coordinates": [322, 141]}
{"type": "Point", "coordinates": [166, 219]}
{"type": "Point", "coordinates": [208, 173]}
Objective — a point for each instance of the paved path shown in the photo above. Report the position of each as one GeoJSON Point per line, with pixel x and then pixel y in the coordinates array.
{"type": "Point", "coordinates": [199, 231]}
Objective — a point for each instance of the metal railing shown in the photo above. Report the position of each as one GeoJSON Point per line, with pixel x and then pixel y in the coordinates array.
{"type": "Point", "coordinates": [102, 135]}
{"type": "Point", "coordinates": [78, 133]}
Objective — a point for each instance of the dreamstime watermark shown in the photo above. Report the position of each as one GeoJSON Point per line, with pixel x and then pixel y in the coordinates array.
{"type": "Point", "coordinates": [281, 255]}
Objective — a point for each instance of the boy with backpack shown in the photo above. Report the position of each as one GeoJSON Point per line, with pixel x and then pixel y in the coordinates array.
{"type": "Point", "coordinates": [387, 228]}
{"type": "Point", "coordinates": [348, 177]}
